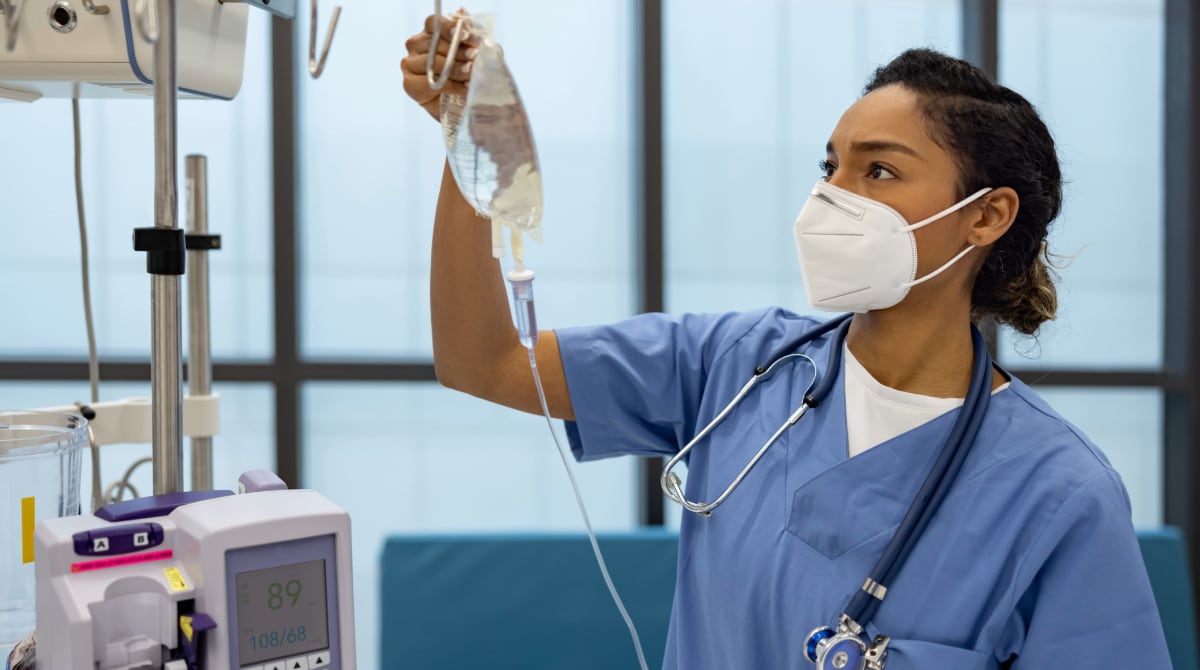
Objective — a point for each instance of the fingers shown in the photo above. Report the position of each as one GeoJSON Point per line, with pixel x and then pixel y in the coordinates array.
{"type": "Point", "coordinates": [418, 64]}
{"type": "Point", "coordinates": [446, 28]}
{"type": "Point", "coordinates": [417, 87]}
{"type": "Point", "coordinates": [419, 44]}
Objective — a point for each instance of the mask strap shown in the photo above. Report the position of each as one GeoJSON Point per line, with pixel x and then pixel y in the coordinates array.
{"type": "Point", "coordinates": [931, 275]}
{"type": "Point", "coordinates": [949, 210]}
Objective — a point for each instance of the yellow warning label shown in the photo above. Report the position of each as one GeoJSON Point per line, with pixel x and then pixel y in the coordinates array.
{"type": "Point", "coordinates": [175, 579]}
{"type": "Point", "coordinates": [185, 622]}
{"type": "Point", "coordinates": [27, 524]}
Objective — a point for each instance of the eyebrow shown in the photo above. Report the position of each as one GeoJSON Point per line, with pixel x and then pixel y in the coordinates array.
{"type": "Point", "coordinates": [875, 146]}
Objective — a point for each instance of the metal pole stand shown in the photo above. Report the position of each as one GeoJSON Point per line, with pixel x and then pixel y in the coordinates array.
{"type": "Point", "coordinates": [199, 369]}
{"type": "Point", "coordinates": [164, 245]}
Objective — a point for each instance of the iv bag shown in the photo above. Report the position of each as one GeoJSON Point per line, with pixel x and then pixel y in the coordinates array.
{"type": "Point", "coordinates": [489, 145]}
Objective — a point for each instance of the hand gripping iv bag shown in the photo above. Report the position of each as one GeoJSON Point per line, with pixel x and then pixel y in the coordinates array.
{"type": "Point", "coordinates": [490, 147]}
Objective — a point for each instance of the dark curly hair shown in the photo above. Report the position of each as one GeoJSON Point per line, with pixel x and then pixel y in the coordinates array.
{"type": "Point", "coordinates": [998, 139]}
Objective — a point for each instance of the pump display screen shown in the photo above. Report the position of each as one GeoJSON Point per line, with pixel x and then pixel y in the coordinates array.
{"type": "Point", "coordinates": [281, 611]}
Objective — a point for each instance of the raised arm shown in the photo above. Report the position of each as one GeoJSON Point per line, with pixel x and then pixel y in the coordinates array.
{"type": "Point", "coordinates": [475, 345]}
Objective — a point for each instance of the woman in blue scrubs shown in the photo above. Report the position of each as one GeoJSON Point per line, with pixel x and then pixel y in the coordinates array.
{"type": "Point", "coordinates": [1030, 563]}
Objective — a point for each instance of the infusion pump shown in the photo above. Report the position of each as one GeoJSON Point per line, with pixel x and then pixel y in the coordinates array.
{"type": "Point", "coordinates": [105, 48]}
{"type": "Point", "coordinates": [202, 580]}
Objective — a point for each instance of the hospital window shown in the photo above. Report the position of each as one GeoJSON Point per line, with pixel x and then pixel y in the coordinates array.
{"type": "Point", "coordinates": [39, 263]}
{"type": "Point", "coordinates": [679, 197]}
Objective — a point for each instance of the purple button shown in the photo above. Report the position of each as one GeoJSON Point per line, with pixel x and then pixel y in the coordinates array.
{"type": "Point", "coordinates": [115, 540]}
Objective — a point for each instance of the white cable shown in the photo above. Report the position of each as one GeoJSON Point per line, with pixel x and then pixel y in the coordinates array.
{"type": "Point", "coordinates": [93, 358]}
{"type": "Point", "coordinates": [116, 490]}
{"type": "Point", "coordinates": [637, 643]}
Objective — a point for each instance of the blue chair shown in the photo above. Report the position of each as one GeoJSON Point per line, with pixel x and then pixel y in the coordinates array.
{"type": "Point", "coordinates": [1165, 554]}
{"type": "Point", "coordinates": [524, 601]}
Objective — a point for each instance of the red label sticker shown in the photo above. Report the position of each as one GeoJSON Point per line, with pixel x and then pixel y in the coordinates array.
{"type": "Point", "coordinates": [118, 561]}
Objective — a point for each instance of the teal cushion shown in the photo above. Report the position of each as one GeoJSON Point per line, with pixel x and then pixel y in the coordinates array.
{"type": "Point", "coordinates": [1165, 554]}
{"type": "Point", "coordinates": [521, 601]}
{"type": "Point", "coordinates": [524, 601]}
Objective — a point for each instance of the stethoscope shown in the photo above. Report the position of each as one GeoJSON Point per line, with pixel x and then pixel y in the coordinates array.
{"type": "Point", "coordinates": [847, 645]}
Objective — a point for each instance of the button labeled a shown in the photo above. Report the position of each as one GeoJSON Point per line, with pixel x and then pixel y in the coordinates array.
{"type": "Point", "coordinates": [99, 544]}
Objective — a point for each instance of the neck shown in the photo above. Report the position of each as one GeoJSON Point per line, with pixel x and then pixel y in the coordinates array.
{"type": "Point", "coordinates": [922, 347]}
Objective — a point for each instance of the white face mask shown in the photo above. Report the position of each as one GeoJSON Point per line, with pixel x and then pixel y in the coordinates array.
{"type": "Point", "coordinates": [857, 254]}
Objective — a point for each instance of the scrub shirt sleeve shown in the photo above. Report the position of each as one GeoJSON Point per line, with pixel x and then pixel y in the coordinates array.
{"type": "Point", "coordinates": [1089, 603]}
{"type": "Point", "coordinates": [636, 385]}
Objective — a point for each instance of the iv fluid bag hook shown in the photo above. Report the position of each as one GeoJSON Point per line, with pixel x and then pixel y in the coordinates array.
{"type": "Point", "coordinates": [451, 53]}
{"type": "Point", "coordinates": [317, 66]}
{"type": "Point", "coordinates": [91, 7]}
{"type": "Point", "coordinates": [146, 20]}
{"type": "Point", "coordinates": [11, 9]}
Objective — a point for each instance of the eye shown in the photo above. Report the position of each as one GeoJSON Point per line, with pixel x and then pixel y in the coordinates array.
{"type": "Point", "coordinates": [880, 172]}
{"type": "Point", "coordinates": [827, 168]}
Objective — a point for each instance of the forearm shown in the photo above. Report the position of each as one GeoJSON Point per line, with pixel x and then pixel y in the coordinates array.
{"type": "Point", "coordinates": [472, 329]}
{"type": "Point", "coordinates": [475, 345]}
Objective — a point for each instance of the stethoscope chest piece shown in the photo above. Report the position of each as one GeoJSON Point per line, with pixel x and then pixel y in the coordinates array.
{"type": "Point", "coordinates": [845, 650]}
{"type": "Point", "coordinates": [836, 651]}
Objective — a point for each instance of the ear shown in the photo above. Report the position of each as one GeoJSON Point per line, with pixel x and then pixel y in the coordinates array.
{"type": "Point", "coordinates": [997, 210]}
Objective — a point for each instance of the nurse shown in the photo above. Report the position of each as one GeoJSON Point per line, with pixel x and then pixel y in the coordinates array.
{"type": "Point", "coordinates": [1030, 562]}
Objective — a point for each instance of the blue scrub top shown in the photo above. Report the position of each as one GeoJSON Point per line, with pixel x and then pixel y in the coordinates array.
{"type": "Point", "coordinates": [1030, 563]}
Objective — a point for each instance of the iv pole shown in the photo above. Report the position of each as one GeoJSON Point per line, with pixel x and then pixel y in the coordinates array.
{"type": "Point", "coordinates": [199, 346]}
{"type": "Point", "coordinates": [166, 245]}
{"type": "Point", "coordinates": [165, 312]}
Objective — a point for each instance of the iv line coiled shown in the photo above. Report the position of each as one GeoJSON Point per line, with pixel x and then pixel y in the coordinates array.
{"type": "Point", "coordinates": [637, 643]}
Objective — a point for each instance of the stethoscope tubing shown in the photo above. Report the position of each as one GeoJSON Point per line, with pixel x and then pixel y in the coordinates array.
{"type": "Point", "coordinates": [934, 489]}
{"type": "Point", "coordinates": [835, 354]}
{"type": "Point", "coordinates": [669, 481]}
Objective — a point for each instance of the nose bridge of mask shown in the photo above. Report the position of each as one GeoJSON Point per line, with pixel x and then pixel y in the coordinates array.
{"type": "Point", "coordinates": [852, 204]}
{"type": "Point", "coordinates": [843, 205]}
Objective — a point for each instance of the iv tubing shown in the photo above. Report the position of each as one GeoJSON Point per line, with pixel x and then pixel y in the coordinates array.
{"type": "Point", "coordinates": [537, 380]}
{"type": "Point", "coordinates": [98, 499]}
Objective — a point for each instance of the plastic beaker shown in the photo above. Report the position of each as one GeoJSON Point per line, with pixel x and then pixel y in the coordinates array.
{"type": "Point", "coordinates": [40, 460]}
